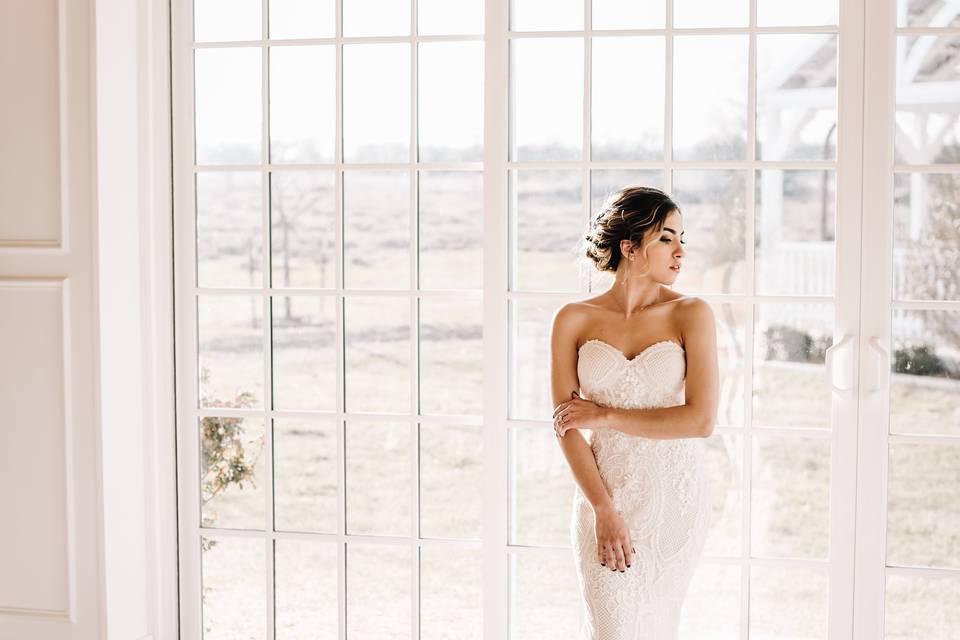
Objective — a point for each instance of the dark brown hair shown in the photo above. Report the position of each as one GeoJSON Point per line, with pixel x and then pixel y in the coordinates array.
{"type": "Point", "coordinates": [629, 213]}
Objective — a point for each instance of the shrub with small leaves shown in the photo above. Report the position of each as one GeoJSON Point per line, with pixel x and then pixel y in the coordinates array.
{"type": "Point", "coordinates": [224, 458]}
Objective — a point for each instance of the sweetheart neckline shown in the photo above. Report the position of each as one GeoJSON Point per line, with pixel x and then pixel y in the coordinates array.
{"type": "Point", "coordinates": [623, 355]}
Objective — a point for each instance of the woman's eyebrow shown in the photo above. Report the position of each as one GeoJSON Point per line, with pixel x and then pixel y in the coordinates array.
{"type": "Point", "coordinates": [672, 231]}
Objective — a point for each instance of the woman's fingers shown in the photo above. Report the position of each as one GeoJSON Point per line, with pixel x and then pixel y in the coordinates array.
{"type": "Point", "coordinates": [561, 424]}
{"type": "Point", "coordinates": [616, 555]}
{"type": "Point", "coordinates": [620, 563]}
{"type": "Point", "coordinates": [606, 555]}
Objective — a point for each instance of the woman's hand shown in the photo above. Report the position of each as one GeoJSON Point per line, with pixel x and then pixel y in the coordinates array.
{"type": "Point", "coordinates": [614, 547]}
{"type": "Point", "coordinates": [577, 413]}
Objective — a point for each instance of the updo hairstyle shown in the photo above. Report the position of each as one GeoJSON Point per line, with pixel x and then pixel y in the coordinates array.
{"type": "Point", "coordinates": [628, 214]}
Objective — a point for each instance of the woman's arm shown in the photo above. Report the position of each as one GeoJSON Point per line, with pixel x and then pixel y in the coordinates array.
{"type": "Point", "coordinates": [696, 417]}
{"type": "Point", "coordinates": [681, 421]}
{"type": "Point", "coordinates": [564, 381]}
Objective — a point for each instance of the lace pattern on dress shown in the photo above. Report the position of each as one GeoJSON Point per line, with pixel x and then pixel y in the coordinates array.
{"type": "Point", "coordinates": [657, 485]}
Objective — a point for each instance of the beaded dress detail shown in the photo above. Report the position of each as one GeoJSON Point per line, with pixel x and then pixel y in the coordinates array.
{"type": "Point", "coordinates": [657, 485]}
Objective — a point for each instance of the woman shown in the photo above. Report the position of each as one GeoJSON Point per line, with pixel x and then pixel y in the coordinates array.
{"type": "Point", "coordinates": [637, 366]}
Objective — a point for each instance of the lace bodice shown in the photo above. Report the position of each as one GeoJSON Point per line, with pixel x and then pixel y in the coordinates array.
{"type": "Point", "coordinates": [652, 378]}
{"type": "Point", "coordinates": [659, 487]}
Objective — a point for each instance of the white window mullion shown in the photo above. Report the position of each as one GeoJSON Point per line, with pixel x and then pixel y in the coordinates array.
{"type": "Point", "coordinates": [875, 287]}
{"type": "Point", "coordinates": [267, 300]}
{"type": "Point", "coordinates": [496, 115]}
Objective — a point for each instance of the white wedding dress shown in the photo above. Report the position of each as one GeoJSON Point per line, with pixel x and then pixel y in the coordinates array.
{"type": "Point", "coordinates": [658, 486]}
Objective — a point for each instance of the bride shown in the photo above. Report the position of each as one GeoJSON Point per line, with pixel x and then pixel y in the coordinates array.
{"type": "Point", "coordinates": [637, 367]}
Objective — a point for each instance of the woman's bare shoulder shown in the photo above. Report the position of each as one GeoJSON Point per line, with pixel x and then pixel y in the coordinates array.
{"type": "Point", "coordinates": [576, 316]}
{"type": "Point", "coordinates": [692, 311]}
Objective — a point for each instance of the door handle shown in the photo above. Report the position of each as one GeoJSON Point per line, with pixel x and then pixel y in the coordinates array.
{"type": "Point", "coordinates": [840, 379]}
{"type": "Point", "coordinates": [882, 362]}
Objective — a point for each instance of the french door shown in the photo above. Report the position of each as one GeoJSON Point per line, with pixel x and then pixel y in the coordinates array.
{"type": "Point", "coordinates": [378, 206]}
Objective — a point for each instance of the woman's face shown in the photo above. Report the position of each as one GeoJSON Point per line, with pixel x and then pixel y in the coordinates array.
{"type": "Point", "coordinates": [664, 251]}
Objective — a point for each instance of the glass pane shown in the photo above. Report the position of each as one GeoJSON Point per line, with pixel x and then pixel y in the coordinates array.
{"type": "Point", "coordinates": [925, 383]}
{"type": "Point", "coordinates": [923, 505]}
{"type": "Point", "coordinates": [927, 13]}
{"type": "Point", "coordinates": [724, 465]}
{"type": "Point", "coordinates": [716, 228]}
{"type": "Point", "coordinates": [304, 352]}
{"type": "Point", "coordinates": [305, 475]}
{"type": "Point", "coordinates": [927, 119]}
{"type": "Point", "coordinates": [234, 598]}
{"type": "Point", "coordinates": [228, 82]}
{"type": "Point", "coordinates": [305, 595]}
{"type": "Point", "coordinates": [926, 236]}
{"type": "Point", "coordinates": [543, 584]}
{"type": "Point", "coordinates": [435, 17]}
{"type": "Point", "coordinates": [546, 78]}
{"type": "Point", "coordinates": [304, 229]}
{"type": "Point", "coordinates": [230, 338]}
{"type": "Point", "coordinates": [731, 322]}
{"type": "Point", "coordinates": [710, 97]}
{"type": "Point", "coordinates": [451, 356]}
{"type": "Point", "coordinates": [376, 18]}
{"type": "Point", "coordinates": [629, 14]}
{"type": "Point", "coordinates": [603, 182]}
{"type": "Point", "coordinates": [797, 96]}
{"type": "Point", "coordinates": [451, 481]}
{"type": "Point", "coordinates": [450, 101]}
{"type": "Point", "coordinates": [231, 473]}
{"type": "Point", "coordinates": [788, 603]}
{"type": "Point", "coordinates": [922, 607]}
{"type": "Point", "coordinates": [710, 13]}
{"type": "Point", "coordinates": [376, 229]}
{"type": "Point", "coordinates": [224, 20]}
{"type": "Point", "coordinates": [546, 15]}
{"type": "Point", "coordinates": [790, 385]}
{"type": "Point", "coordinates": [451, 604]}
{"type": "Point", "coordinates": [301, 19]}
{"type": "Point", "coordinates": [541, 488]}
{"type": "Point", "coordinates": [712, 606]}
{"type": "Point", "coordinates": [451, 230]}
{"type": "Point", "coordinates": [378, 590]}
{"type": "Point", "coordinates": [373, 73]}
{"type": "Point", "coordinates": [530, 394]}
{"type": "Point", "coordinates": [777, 13]}
{"type": "Point", "coordinates": [547, 224]}
{"type": "Point", "coordinates": [627, 116]}
{"type": "Point", "coordinates": [377, 354]}
{"type": "Point", "coordinates": [378, 478]}
{"type": "Point", "coordinates": [790, 497]}
{"type": "Point", "coordinates": [795, 232]}
{"type": "Point", "coordinates": [229, 229]}
{"type": "Point", "coordinates": [302, 113]}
